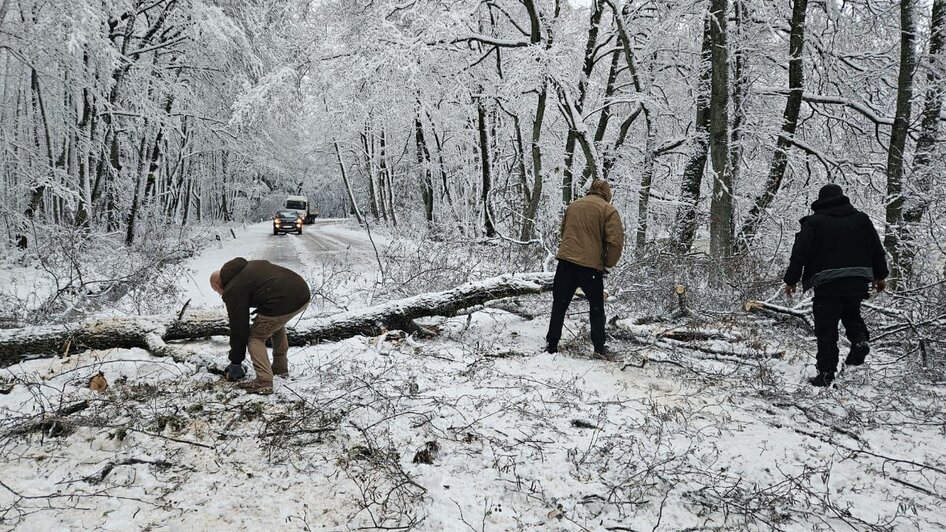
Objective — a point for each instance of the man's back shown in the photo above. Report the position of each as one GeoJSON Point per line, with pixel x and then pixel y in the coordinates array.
{"type": "Point", "coordinates": [836, 242]}
{"type": "Point", "coordinates": [592, 233]}
{"type": "Point", "coordinates": [270, 288]}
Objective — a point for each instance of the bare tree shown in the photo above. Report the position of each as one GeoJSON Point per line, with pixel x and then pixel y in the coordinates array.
{"type": "Point", "coordinates": [898, 135]}
{"type": "Point", "coordinates": [685, 223]}
{"type": "Point", "coordinates": [721, 208]}
{"type": "Point", "coordinates": [917, 201]}
{"type": "Point", "coordinates": [796, 82]}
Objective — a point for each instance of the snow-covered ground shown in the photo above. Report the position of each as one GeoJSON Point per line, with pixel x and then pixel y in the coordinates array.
{"type": "Point", "coordinates": [473, 429]}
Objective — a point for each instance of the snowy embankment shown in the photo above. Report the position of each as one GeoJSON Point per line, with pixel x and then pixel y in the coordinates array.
{"type": "Point", "coordinates": [475, 429]}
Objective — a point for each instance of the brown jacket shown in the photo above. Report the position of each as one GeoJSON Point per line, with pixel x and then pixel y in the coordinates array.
{"type": "Point", "coordinates": [592, 234]}
{"type": "Point", "coordinates": [272, 290]}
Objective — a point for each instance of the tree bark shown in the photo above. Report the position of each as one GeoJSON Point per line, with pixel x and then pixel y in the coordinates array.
{"type": "Point", "coordinates": [532, 210]}
{"type": "Point", "coordinates": [721, 207]}
{"type": "Point", "coordinates": [586, 71]}
{"type": "Point", "coordinates": [423, 165]}
{"type": "Point", "coordinates": [685, 222]}
{"type": "Point", "coordinates": [917, 201]}
{"type": "Point", "coordinates": [152, 332]}
{"type": "Point", "coordinates": [347, 183]}
{"type": "Point", "coordinates": [740, 92]}
{"type": "Point", "coordinates": [38, 192]}
{"type": "Point", "coordinates": [367, 143]}
{"type": "Point", "coordinates": [605, 117]}
{"type": "Point", "coordinates": [898, 137]}
{"type": "Point", "coordinates": [796, 81]}
{"type": "Point", "coordinates": [485, 165]}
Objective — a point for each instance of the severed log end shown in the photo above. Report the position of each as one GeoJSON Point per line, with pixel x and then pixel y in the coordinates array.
{"type": "Point", "coordinates": [752, 304]}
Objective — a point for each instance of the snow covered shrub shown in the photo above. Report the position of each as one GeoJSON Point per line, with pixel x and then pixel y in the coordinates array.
{"type": "Point", "coordinates": [440, 263]}
{"type": "Point", "coordinates": [645, 282]}
{"type": "Point", "coordinates": [75, 272]}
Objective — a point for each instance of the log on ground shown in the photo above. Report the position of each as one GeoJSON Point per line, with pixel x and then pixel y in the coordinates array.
{"type": "Point", "coordinates": [151, 332]}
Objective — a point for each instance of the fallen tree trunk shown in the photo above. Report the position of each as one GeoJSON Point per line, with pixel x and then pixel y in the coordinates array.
{"type": "Point", "coordinates": [153, 332]}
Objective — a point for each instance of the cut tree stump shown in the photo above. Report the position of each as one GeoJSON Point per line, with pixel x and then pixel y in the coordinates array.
{"type": "Point", "coordinates": [153, 332]}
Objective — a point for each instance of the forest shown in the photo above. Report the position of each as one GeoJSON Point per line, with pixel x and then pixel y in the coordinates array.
{"type": "Point", "coordinates": [144, 143]}
{"type": "Point", "coordinates": [716, 120]}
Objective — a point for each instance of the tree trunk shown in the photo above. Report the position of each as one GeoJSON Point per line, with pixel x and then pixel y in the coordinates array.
{"type": "Point", "coordinates": [367, 143]}
{"type": "Point", "coordinates": [152, 332]}
{"type": "Point", "coordinates": [685, 222]}
{"type": "Point", "coordinates": [647, 178]}
{"type": "Point", "coordinates": [917, 201]}
{"type": "Point", "coordinates": [721, 207]}
{"type": "Point", "coordinates": [740, 92]}
{"type": "Point", "coordinates": [382, 174]}
{"type": "Point", "coordinates": [898, 136]}
{"type": "Point", "coordinates": [586, 71]}
{"type": "Point", "coordinates": [605, 117]}
{"type": "Point", "coordinates": [528, 223]}
{"type": "Point", "coordinates": [647, 172]}
{"type": "Point", "coordinates": [39, 190]}
{"type": "Point", "coordinates": [348, 190]}
{"type": "Point", "coordinates": [387, 178]}
{"type": "Point", "coordinates": [84, 127]}
{"type": "Point", "coordinates": [423, 166]}
{"type": "Point", "coordinates": [136, 198]}
{"type": "Point", "coordinates": [485, 166]}
{"type": "Point", "coordinates": [796, 80]}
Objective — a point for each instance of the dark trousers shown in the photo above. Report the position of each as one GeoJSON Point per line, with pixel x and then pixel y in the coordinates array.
{"type": "Point", "coordinates": [828, 310]}
{"type": "Point", "coordinates": [568, 278]}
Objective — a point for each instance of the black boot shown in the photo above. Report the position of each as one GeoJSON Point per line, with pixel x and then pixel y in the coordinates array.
{"type": "Point", "coordinates": [859, 352]}
{"type": "Point", "coordinates": [822, 380]}
{"type": "Point", "coordinates": [551, 348]}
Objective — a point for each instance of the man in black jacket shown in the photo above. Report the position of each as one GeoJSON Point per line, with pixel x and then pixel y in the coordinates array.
{"type": "Point", "coordinates": [278, 294]}
{"type": "Point", "coordinates": [837, 253]}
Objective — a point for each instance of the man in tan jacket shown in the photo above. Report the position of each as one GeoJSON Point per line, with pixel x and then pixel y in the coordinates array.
{"type": "Point", "coordinates": [278, 294]}
{"type": "Point", "coordinates": [592, 242]}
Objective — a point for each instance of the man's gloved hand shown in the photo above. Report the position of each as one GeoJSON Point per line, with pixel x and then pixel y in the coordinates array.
{"type": "Point", "coordinates": [879, 285]}
{"type": "Point", "coordinates": [789, 290]}
{"type": "Point", "coordinates": [234, 372]}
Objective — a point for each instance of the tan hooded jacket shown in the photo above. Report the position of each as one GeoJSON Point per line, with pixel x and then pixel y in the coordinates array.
{"type": "Point", "coordinates": [592, 233]}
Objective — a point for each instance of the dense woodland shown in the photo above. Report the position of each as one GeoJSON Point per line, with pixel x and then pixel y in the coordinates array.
{"type": "Point", "coordinates": [716, 121]}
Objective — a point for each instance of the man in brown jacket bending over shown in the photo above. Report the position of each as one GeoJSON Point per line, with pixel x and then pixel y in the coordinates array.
{"type": "Point", "coordinates": [277, 294]}
{"type": "Point", "coordinates": [592, 242]}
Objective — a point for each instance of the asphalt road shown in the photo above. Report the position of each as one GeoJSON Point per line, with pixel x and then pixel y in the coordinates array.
{"type": "Point", "coordinates": [326, 240]}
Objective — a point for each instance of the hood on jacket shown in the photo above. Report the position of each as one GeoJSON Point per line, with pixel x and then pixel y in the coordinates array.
{"type": "Point", "coordinates": [833, 206]}
{"type": "Point", "coordinates": [231, 269]}
{"type": "Point", "coordinates": [830, 191]}
{"type": "Point", "coordinates": [600, 187]}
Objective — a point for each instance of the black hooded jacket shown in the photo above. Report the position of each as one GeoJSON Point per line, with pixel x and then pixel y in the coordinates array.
{"type": "Point", "coordinates": [272, 290]}
{"type": "Point", "coordinates": [837, 246]}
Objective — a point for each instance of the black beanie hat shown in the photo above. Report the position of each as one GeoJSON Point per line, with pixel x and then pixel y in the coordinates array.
{"type": "Point", "coordinates": [231, 269]}
{"type": "Point", "coordinates": [830, 191]}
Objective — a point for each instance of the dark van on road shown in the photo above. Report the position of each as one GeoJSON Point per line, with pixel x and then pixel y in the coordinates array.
{"type": "Point", "coordinates": [287, 221]}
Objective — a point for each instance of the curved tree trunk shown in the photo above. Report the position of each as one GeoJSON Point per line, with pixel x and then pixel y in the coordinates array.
{"type": "Point", "coordinates": [796, 80]}
{"type": "Point", "coordinates": [685, 222]}
{"type": "Point", "coordinates": [588, 66]}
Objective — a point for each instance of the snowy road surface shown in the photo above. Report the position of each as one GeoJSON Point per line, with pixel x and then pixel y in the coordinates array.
{"type": "Point", "coordinates": [473, 429]}
{"type": "Point", "coordinates": [324, 250]}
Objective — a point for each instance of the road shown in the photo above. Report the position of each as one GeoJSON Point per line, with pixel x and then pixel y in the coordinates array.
{"type": "Point", "coordinates": [325, 241]}
{"type": "Point", "coordinates": [335, 256]}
